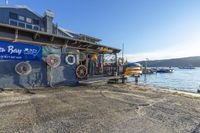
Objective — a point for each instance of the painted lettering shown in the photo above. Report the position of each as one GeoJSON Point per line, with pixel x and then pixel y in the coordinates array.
{"type": "Point", "coordinates": [13, 50]}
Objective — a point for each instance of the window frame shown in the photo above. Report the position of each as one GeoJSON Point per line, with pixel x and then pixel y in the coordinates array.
{"type": "Point", "coordinates": [13, 15]}
{"type": "Point", "coordinates": [29, 20]}
{"type": "Point", "coordinates": [21, 18]}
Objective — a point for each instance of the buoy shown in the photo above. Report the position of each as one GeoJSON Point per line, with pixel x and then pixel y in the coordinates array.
{"type": "Point", "coordinates": [23, 68]}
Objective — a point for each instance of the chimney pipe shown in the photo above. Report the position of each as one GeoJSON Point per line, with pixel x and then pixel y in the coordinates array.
{"type": "Point", "coordinates": [6, 2]}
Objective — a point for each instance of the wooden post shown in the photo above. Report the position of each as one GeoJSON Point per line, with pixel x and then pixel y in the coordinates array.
{"type": "Point", "coordinates": [16, 35]}
{"type": "Point", "coordinates": [136, 79]}
{"type": "Point", "coordinates": [103, 63]}
{"type": "Point", "coordinates": [116, 63]}
{"type": "Point", "coordinates": [123, 79]}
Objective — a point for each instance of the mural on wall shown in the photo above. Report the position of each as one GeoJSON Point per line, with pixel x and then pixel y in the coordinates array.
{"type": "Point", "coordinates": [27, 65]}
{"type": "Point", "coordinates": [19, 51]}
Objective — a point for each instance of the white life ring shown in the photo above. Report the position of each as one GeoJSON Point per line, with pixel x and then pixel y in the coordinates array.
{"type": "Point", "coordinates": [23, 68]}
{"type": "Point", "coordinates": [70, 62]}
{"type": "Point", "coordinates": [53, 60]}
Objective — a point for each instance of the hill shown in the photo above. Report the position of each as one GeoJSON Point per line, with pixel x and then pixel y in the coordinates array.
{"type": "Point", "coordinates": [178, 62]}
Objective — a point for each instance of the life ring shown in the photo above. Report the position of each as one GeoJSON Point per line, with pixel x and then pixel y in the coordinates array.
{"type": "Point", "coordinates": [53, 60]}
{"type": "Point", "coordinates": [81, 71]}
{"type": "Point", "coordinates": [70, 62]}
{"type": "Point", "coordinates": [23, 68]}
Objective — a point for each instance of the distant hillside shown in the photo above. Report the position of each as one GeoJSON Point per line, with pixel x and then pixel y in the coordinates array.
{"type": "Point", "coordinates": [178, 62]}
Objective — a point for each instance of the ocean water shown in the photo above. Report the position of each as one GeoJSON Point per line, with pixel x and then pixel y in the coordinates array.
{"type": "Point", "coordinates": [181, 79]}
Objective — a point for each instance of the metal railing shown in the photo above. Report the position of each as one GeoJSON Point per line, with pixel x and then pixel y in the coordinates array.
{"type": "Point", "coordinates": [25, 24]}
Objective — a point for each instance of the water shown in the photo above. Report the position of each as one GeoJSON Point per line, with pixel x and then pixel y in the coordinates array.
{"type": "Point", "coordinates": [181, 79]}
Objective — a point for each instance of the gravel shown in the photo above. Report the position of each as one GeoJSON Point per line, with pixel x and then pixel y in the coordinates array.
{"type": "Point", "coordinates": [99, 108]}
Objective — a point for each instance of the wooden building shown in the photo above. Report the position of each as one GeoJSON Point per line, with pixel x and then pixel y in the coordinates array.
{"type": "Point", "coordinates": [36, 52]}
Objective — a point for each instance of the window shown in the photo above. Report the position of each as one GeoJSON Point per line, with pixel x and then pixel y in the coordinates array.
{"type": "Point", "coordinates": [13, 15]}
{"type": "Point", "coordinates": [12, 22]}
{"type": "Point", "coordinates": [29, 20]}
{"type": "Point", "coordinates": [36, 28]}
{"type": "Point", "coordinates": [21, 25]}
{"type": "Point", "coordinates": [35, 21]}
{"type": "Point", "coordinates": [21, 18]}
{"type": "Point", "coordinates": [28, 26]}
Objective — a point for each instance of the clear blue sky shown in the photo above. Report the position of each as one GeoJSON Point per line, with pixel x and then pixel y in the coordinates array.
{"type": "Point", "coordinates": [149, 28]}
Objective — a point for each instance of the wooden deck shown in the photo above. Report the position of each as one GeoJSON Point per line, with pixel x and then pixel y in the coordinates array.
{"type": "Point", "coordinates": [96, 79]}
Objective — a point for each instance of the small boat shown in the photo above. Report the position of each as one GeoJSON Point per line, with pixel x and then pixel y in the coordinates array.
{"type": "Point", "coordinates": [133, 69]}
{"type": "Point", "coordinates": [165, 70]}
{"type": "Point", "coordinates": [148, 71]}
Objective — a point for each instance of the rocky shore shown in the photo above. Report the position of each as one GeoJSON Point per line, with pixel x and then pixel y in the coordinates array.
{"type": "Point", "coordinates": [100, 108]}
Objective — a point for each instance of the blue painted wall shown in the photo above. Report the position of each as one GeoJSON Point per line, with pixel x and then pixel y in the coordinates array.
{"type": "Point", "coordinates": [62, 75]}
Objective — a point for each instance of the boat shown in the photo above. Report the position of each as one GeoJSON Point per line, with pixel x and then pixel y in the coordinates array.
{"type": "Point", "coordinates": [148, 71]}
{"type": "Point", "coordinates": [165, 70]}
{"type": "Point", "coordinates": [133, 69]}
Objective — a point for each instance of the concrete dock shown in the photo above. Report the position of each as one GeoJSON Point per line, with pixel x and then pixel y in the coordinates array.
{"type": "Point", "coordinates": [99, 108]}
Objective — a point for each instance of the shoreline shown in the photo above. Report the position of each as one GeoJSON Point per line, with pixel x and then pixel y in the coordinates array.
{"type": "Point", "coordinates": [165, 89]}
{"type": "Point", "coordinates": [146, 87]}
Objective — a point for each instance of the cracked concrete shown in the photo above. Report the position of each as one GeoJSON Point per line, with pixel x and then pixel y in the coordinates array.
{"type": "Point", "coordinates": [99, 108]}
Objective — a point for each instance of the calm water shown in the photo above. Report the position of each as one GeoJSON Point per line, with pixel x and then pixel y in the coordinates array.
{"type": "Point", "coordinates": [181, 79]}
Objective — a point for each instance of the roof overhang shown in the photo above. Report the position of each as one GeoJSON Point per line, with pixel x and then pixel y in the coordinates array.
{"type": "Point", "coordinates": [37, 37]}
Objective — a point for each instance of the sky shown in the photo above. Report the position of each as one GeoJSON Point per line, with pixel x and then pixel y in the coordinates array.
{"type": "Point", "coordinates": [153, 29]}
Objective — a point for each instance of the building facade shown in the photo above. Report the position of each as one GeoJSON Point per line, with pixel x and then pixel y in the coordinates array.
{"type": "Point", "coordinates": [36, 52]}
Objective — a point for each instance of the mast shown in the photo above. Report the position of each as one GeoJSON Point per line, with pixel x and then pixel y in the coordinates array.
{"type": "Point", "coordinates": [123, 53]}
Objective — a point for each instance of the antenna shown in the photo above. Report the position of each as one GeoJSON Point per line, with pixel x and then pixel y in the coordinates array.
{"type": "Point", "coordinates": [6, 2]}
{"type": "Point", "coordinates": [123, 53]}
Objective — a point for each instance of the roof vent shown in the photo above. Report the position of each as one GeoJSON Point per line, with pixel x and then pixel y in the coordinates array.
{"type": "Point", "coordinates": [49, 13]}
{"type": "Point", "coordinates": [6, 2]}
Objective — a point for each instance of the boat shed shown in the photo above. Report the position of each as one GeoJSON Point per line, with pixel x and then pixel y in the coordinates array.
{"type": "Point", "coordinates": [35, 52]}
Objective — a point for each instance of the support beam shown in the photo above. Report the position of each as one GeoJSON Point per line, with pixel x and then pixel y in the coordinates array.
{"type": "Point", "coordinates": [35, 36]}
{"type": "Point", "coordinates": [52, 39]}
{"type": "Point", "coordinates": [16, 35]}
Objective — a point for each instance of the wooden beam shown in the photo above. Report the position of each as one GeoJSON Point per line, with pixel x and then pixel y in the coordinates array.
{"type": "Point", "coordinates": [52, 39]}
{"type": "Point", "coordinates": [43, 44]}
{"type": "Point", "coordinates": [35, 36]}
{"type": "Point", "coordinates": [16, 34]}
{"type": "Point", "coordinates": [56, 36]}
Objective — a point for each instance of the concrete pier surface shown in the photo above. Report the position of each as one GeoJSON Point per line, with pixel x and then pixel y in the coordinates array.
{"type": "Point", "coordinates": [99, 108]}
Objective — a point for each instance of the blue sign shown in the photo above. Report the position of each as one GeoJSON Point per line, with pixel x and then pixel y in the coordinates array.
{"type": "Point", "coordinates": [19, 51]}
